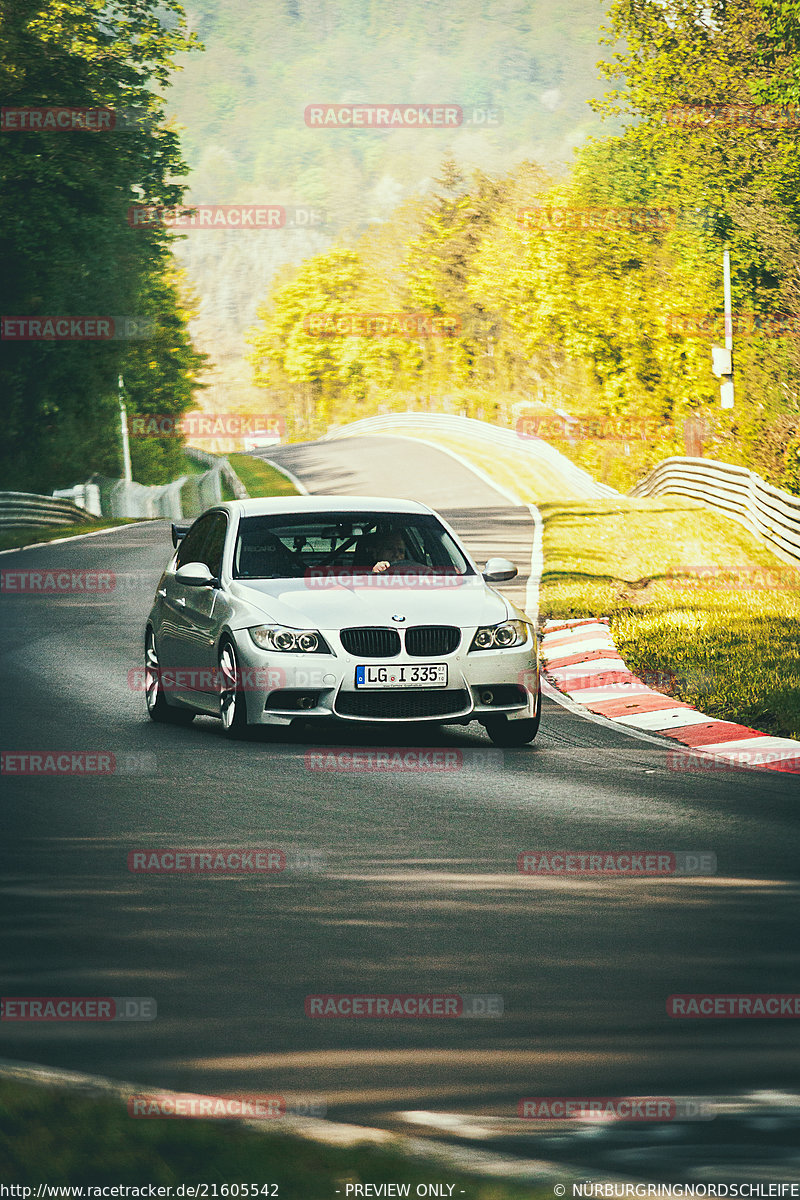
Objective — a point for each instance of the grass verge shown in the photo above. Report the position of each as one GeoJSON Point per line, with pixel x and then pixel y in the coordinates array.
{"type": "Point", "coordinates": [28, 535]}
{"type": "Point", "coordinates": [259, 478]}
{"type": "Point", "coordinates": [191, 466]}
{"type": "Point", "coordinates": [697, 605]}
{"type": "Point", "coordinates": [50, 1136]}
{"type": "Point", "coordinates": [695, 602]}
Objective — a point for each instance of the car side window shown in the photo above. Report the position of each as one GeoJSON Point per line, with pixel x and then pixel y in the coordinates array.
{"type": "Point", "coordinates": [190, 548]}
{"type": "Point", "coordinates": [215, 544]}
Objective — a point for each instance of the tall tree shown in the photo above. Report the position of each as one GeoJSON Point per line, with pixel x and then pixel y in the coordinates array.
{"type": "Point", "coordinates": [65, 237]}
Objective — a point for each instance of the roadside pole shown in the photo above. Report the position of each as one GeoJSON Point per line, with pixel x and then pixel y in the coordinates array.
{"type": "Point", "coordinates": [723, 362]}
{"type": "Point", "coordinates": [126, 446]}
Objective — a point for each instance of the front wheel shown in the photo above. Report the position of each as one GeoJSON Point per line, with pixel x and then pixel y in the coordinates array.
{"type": "Point", "coordinates": [514, 733]}
{"type": "Point", "coordinates": [156, 701]}
{"type": "Point", "coordinates": [232, 704]}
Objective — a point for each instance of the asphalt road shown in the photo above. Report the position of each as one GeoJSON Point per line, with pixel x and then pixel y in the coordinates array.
{"type": "Point", "coordinates": [385, 466]}
{"type": "Point", "coordinates": [396, 883]}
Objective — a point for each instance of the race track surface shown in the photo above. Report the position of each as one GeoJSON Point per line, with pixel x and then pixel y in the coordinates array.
{"type": "Point", "coordinates": [398, 882]}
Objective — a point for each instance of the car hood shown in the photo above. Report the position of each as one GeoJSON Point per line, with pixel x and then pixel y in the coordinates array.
{"type": "Point", "coordinates": [332, 605]}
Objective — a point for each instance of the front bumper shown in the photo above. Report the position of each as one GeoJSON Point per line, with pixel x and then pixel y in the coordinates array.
{"type": "Point", "coordinates": [480, 685]}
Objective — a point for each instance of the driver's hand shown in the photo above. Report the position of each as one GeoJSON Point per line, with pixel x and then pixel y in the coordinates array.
{"type": "Point", "coordinates": [383, 565]}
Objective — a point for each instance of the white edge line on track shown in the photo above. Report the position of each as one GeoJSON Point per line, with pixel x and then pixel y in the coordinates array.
{"type": "Point", "coordinates": [537, 561]}
{"type": "Point", "coordinates": [532, 590]}
{"type": "Point", "coordinates": [77, 537]}
{"type": "Point", "coordinates": [505, 492]}
{"type": "Point", "coordinates": [491, 1165]}
{"type": "Point", "coordinates": [666, 743]}
{"type": "Point", "coordinates": [536, 567]}
{"type": "Point", "coordinates": [301, 487]}
{"type": "Point", "coordinates": [574, 707]}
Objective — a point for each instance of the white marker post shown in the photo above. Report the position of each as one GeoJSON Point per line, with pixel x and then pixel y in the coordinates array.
{"type": "Point", "coordinates": [726, 386]}
{"type": "Point", "coordinates": [126, 446]}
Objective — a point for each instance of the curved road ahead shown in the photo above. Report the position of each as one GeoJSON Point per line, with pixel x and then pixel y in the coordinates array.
{"type": "Point", "coordinates": [397, 883]}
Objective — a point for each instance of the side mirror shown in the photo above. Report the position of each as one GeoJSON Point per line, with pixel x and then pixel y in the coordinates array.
{"type": "Point", "coordinates": [499, 570]}
{"type": "Point", "coordinates": [195, 574]}
{"type": "Point", "coordinates": [179, 531]}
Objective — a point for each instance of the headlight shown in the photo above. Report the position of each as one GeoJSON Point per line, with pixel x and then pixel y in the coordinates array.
{"type": "Point", "coordinates": [289, 641]}
{"type": "Point", "coordinates": [500, 637]}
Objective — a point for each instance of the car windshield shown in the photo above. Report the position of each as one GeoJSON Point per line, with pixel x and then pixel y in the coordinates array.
{"type": "Point", "coordinates": [291, 546]}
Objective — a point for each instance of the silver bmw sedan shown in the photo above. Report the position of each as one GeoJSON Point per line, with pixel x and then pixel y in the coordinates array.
{"type": "Point", "coordinates": [356, 608]}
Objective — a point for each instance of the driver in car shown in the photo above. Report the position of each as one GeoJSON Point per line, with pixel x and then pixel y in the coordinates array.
{"type": "Point", "coordinates": [389, 548]}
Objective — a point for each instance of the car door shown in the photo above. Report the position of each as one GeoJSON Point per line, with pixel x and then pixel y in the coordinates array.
{"type": "Point", "coordinates": [204, 611]}
{"type": "Point", "coordinates": [172, 632]}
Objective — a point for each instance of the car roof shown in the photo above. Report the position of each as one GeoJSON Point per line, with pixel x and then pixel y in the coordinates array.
{"type": "Point", "coordinates": [270, 505]}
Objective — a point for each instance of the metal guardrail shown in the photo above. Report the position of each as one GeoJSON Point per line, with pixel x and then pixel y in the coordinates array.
{"type": "Point", "coordinates": [186, 497]}
{"type": "Point", "coordinates": [199, 492]}
{"type": "Point", "coordinates": [219, 461]}
{"type": "Point", "coordinates": [766, 511]}
{"type": "Point", "coordinates": [19, 509]}
{"type": "Point", "coordinates": [769, 512]}
{"type": "Point", "coordinates": [580, 483]}
{"type": "Point", "coordinates": [121, 499]}
{"type": "Point", "coordinates": [85, 495]}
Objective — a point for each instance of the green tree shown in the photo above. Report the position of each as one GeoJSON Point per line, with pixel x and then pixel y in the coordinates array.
{"type": "Point", "coordinates": [744, 172]}
{"type": "Point", "coordinates": [291, 348]}
{"type": "Point", "coordinates": [65, 238]}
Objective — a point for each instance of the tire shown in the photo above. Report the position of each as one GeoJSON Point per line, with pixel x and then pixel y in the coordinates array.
{"type": "Point", "coordinates": [514, 733]}
{"type": "Point", "coordinates": [232, 704]}
{"type": "Point", "coordinates": [157, 707]}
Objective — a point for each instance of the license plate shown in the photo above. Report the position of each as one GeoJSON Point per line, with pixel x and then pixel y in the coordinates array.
{"type": "Point", "coordinates": [415, 675]}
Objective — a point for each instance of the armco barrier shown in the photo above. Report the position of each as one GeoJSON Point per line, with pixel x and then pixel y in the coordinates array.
{"type": "Point", "coordinates": [19, 509]}
{"type": "Point", "coordinates": [579, 482]}
{"type": "Point", "coordinates": [217, 460]}
{"type": "Point", "coordinates": [199, 492]}
{"type": "Point", "coordinates": [767, 511]}
{"type": "Point", "coordinates": [85, 495]}
{"type": "Point", "coordinates": [121, 499]}
{"type": "Point", "coordinates": [184, 498]}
